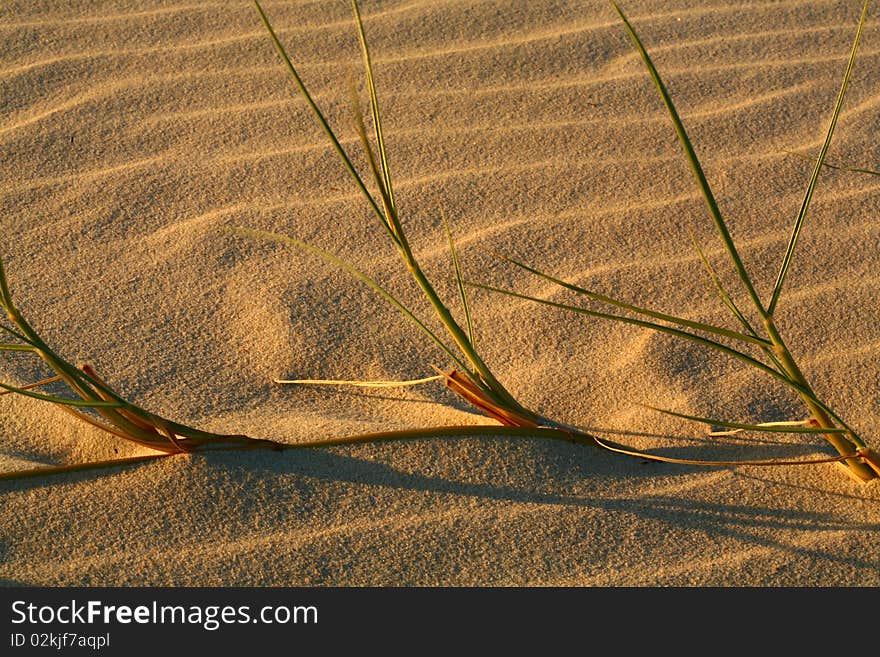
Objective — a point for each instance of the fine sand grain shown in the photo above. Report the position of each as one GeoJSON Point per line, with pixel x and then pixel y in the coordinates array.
{"type": "Point", "coordinates": [132, 133]}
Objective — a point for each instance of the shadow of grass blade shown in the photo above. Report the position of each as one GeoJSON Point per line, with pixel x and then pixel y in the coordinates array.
{"type": "Point", "coordinates": [817, 169]}
{"type": "Point", "coordinates": [837, 167]}
{"type": "Point", "coordinates": [694, 162]}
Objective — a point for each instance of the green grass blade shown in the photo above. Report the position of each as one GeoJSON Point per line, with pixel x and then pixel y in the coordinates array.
{"type": "Point", "coordinates": [15, 347]}
{"type": "Point", "coordinates": [320, 117]}
{"type": "Point", "coordinates": [390, 218]}
{"type": "Point", "coordinates": [709, 328]}
{"type": "Point", "coordinates": [834, 166]}
{"type": "Point", "coordinates": [694, 162]}
{"type": "Point", "coordinates": [50, 470]}
{"type": "Point", "coordinates": [731, 305]}
{"type": "Point", "coordinates": [726, 299]}
{"type": "Point", "coordinates": [767, 427]}
{"type": "Point", "coordinates": [814, 178]}
{"type": "Point", "coordinates": [5, 296]}
{"type": "Point", "coordinates": [338, 262]}
{"type": "Point", "coordinates": [15, 334]}
{"type": "Point", "coordinates": [385, 180]}
{"type": "Point", "coordinates": [460, 281]}
{"type": "Point", "coordinates": [75, 378]}
{"type": "Point", "coordinates": [61, 400]}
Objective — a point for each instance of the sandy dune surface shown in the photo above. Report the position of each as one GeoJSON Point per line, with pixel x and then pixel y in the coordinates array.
{"type": "Point", "coordinates": [134, 135]}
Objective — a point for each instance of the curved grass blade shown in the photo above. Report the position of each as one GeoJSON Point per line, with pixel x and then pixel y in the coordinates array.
{"type": "Point", "coordinates": [709, 328]}
{"type": "Point", "coordinates": [459, 279]}
{"type": "Point", "coordinates": [694, 162]}
{"type": "Point", "coordinates": [814, 178]}
{"type": "Point", "coordinates": [772, 427]}
{"type": "Point", "coordinates": [332, 259]}
{"type": "Point", "coordinates": [722, 464]}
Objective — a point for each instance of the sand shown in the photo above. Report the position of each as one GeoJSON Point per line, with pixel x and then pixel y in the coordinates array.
{"type": "Point", "coordinates": [135, 134]}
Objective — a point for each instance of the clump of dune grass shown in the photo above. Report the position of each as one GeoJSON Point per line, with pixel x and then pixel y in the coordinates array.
{"type": "Point", "coordinates": [93, 401]}
{"type": "Point", "coordinates": [470, 376]}
{"type": "Point", "coordinates": [771, 355]}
